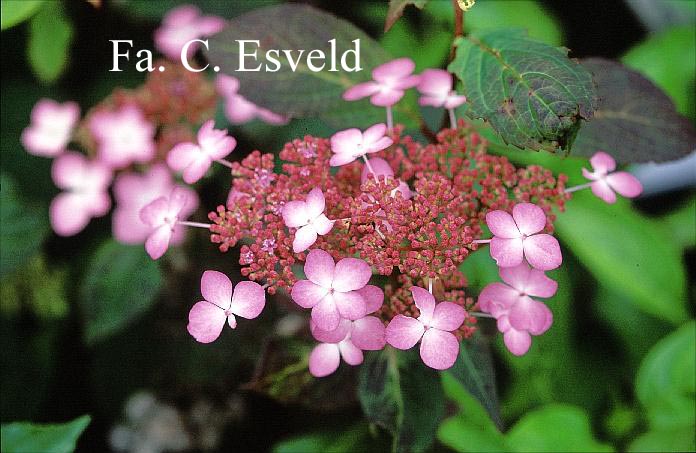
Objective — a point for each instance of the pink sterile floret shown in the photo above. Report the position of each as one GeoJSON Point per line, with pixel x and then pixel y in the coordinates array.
{"type": "Point", "coordinates": [433, 328]}
{"type": "Point", "coordinates": [207, 317]}
{"type": "Point", "coordinates": [519, 316]}
{"type": "Point", "coordinates": [351, 144]}
{"type": "Point", "coordinates": [331, 290]}
{"type": "Point", "coordinates": [390, 82]}
{"type": "Point", "coordinates": [123, 136]}
{"type": "Point", "coordinates": [437, 91]}
{"type": "Point", "coordinates": [51, 127]}
{"type": "Point", "coordinates": [239, 109]}
{"type": "Point", "coordinates": [308, 217]}
{"type": "Point", "coordinates": [195, 159]}
{"type": "Point", "coordinates": [182, 25]}
{"type": "Point", "coordinates": [516, 237]}
{"type": "Point", "coordinates": [162, 215]}
{"type": "Point", "coordinates": [608, 181]}
{"type": "Point", "coordinates": [350, 338]}
{"type": "Point", "coordinates": [85, 184]}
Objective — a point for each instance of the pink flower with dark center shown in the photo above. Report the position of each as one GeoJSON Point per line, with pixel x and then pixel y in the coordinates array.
{"type": "Point", "coordinates": [51, 127]}
{"type": "Point", "coordinates": [193, 159]}
{"type": "Point", "coordinates": [162, 216]}
{"type": "Point", "coordinates": [221, 304]}
{"type": "Point", "coordinates": [182, 25]}
{"type": "Point", "coordinates": [608, 181]}
{"type": "Point", "coordinates": [240, 110]}
{"type": "Point", "coordinates": [433, 328]}
{"type": "Point", "coordinates": [517, 237]}
{"type": "Point", "coordinates": [390, 82]}
{"type": "Point", "coordinates": [350, 338]}
{"type": "Point", "coordinates": [437, 90]}
{"type": "Point", "coordinates": [309, 219]}
{"type": "Point", "coordinates": [331, 290]}
{"type": "Point", "coordinates": [85, 184]}
{"type": "Point", "coordinates": [352, 144]}
{"type": "Point", "coordinates": [123, 136]}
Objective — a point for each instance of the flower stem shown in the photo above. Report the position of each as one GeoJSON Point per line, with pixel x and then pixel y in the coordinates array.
{"type": "Point", "coordinates": [481, 241]}
{"type": "Point", "coordinates": [452, 118]}
{"type": "Point", "coordinates": [194, 224]}
{"type": "Point", "coordinates": [224, 162]}
{"type": "Point", "coordinates": [369, 167]}
{"type": "Point", "coordinates": [580, 187]}
{"type": "Point", "coordinates": [430, 285]}
{"type": "Point", "coordinates": [481, 315]}
{"type": "Point", "coordinates": [390, 119]}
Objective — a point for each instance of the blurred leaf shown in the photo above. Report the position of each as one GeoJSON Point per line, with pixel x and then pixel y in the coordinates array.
{"type": "Point", "coordinates": [355, 438]}
{"type": "Point", "coordinates": [663, 440]}
{"type": "Point", "coordinates": [657, 16]}
{"type": "Point", "coordinates": [401, 394]}
{"type": "Point", "coordinates": [532, 94]}
{"type": "Point", "coordinates": [155, 9]}
{"type": "Point", "coordinates": [479, 268]}
{"type": "Point", "coordinates": [681, 224]}
{"type": "Point", "coordinates": [635, 122]}
{"type": "Point", "coordinates": [25, 437]}
{"type": "Point", "coordinates": [428, 47]}
{"type": "Point", "coordinates": [51, 33]}
{"type": "Point", "coordinates": [121, 284]}
{"type": "Point", "coordinates": [627, 252]}
{"type": "Point", "coordinates": [37, 287]}
{"type": "Point", "coordinates": [396, 9]}
{"type": "Point", "coordinates": [13, 12]}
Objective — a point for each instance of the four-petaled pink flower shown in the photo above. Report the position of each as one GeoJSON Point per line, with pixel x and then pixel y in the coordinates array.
{"type": "Point", "coordinates": [308, 217]}
{"type": "Point", "coordinates": [351, 144]}
{"type": "Point", "coordinates": [331, 290]}
{"type": "Point", "coordinates": [437, 90]}
{"type": "Point", "coordinates": [85, 184]}
{"type": "Point", "coordinates": [239, 109]}
{"type": "Point", "coordinates": [350, 338]}
{"type": "Point", "coordinates": [123, 136]}
{"type": "Point", "coordinates": [195, 159]}
{"type": "Point", "coordinates": [221, 304]}
{"type": "Point", "coordinates": [433, 328]}
{"type": "Point", "coordinates": [182, 25]}
{"type": "Point", "coordinates": [519, 316]}
{"type": "Point", "coordinates": [608, 181]}
{"type": "Point", "coordinates": [162, 216]}
{"type": "Point", "coordinates": [388, 87]}
{"type": "Point", "coordinates": [517, 237]}
{"type": "Point", "coordinates": [51, 127]}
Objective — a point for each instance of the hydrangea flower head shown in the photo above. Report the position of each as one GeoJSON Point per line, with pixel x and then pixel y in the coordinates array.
{"type": "Point", "coordinates": [123, 136]}
{"type": "Point", "coordinates": [308, 217]}
{"type": "Point", "coordinates": [437, 90]}
{"type": "Point", "coordinates": [182, 25]}
{"type": "Point", "coordinates": [51, 127]}
{"type": "Point", "coordinates": [607, 181]}
{"type": "Point", "coordinates": [390, 80]}
{"type": "Point", "coordinates": [517, 237]}
{"type": "Point", "coordinates": [193, 159]}
{"type": "Point", "coordinates": [433, 328]}
{"type": "Point", "coordinates": [351, 144]}
{"type": "Point", "coordinates": [221, 304]}
{"type": "Point", "coordinates": [162, 215]}
{"type": "Point", "coordinates": [240, 110]}
{"type": "Point", "coordinates": [379, 167]}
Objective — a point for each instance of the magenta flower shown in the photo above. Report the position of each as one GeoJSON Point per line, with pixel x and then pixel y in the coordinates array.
{"type": "Point", "coordinates": [240, 110]}
{"type": "Point", "coordinates": [516, 237]}
{"type": "Point", "coordinates": [388, 87]}
{"type": "Point", "coordinates": [331, 290]}
{"type": "Point", "coordinates": [51, 127]}
{"type": "Point", "coordinates": [308, 217]}
{"type": "Point", "coordinates": [85, 184]}
{"type": "Point", "coordinates": [352, 144]}
{"type": "Point", "coordinates": [433, 328]}
{"type": "Point", "coordinates": [608, 181]}
{"type": "Point", "coordinates": [221, 304]}
{"type": "Point", "coordinates": [437, 90]}
{"type": "Point", "coordinates": [123, 136]}
{"type": "Point", "coordinates": [182, 25]}
{"type": "Point", "coordinates": [195, 159]}
{"type": "Point", "coordinates": [162, 216]}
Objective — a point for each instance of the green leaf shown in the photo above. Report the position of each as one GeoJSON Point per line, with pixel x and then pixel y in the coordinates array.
{"type": "Point", "coordinates": [635, 122]}
{"type": "Point", "coordinates": [50, 36]}
{"type": "Point", "coordinates": [657, 16]}
{"type": "Point", "coordinates": [664, 440]}
{"type": "Point", "coordinates": [120, 285]}
{"type": "Point", "coordinates": [680, 224]}
{"type": "Point", "coordinates": [13, 12]}
{"type": "Point", "coordinates": [156, 9]}
{"type": "Point", "coordinates": [532, 94]}
{"type": "Point", "coordinates": [627, 252]}
{"type": "Point", "coordinates": [25, 437]}
{"type": "Point", "coordinates": [355, 438]}
{"type": "Point", "coordinates": [402, 395]}
{"type": "Point", "coordinates": [396, 9]}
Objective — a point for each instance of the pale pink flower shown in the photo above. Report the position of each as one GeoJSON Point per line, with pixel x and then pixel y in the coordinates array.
{"type": "Point", "coordinates": [162, 216]}
{"type": "Point", "coordinates": [193, 159]}
{"type": "Point", "coordinates": [351, 144]}
{"type": "Point", "coordinates": [123, 136]}
{"type": "Point", "coordinates": [240, 110]}
{"type": "Point", "coordinates": [85, 184]}
{"type": "Point", "coordinates": [309, 219]}
{"type": "Point", "coordinates": [331, 290]}
{"type": "Point", "coordinates": [608, 181]}
{"type": "Point", "coordinates": [433, 328]}
{"type": "Point", "coordinates": [517, 237]}
{"type": "Point", "coordinates": [181, 25]}
{"type": "Point", "coordinates": [221, 304]}
{"type": "Point", "coordinates": [390, 82]}
{"type": "Point", "coordinates": [51, 127]}
{"type": "Point", "coordinates": [437, 90]}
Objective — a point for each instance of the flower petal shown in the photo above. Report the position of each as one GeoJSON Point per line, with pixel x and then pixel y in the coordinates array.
{"type": "Point", "coordinates": [395, 69]}
{"type": "Point", "coordinates": [324, 359]}
{"type": "Point", "coordinates": [205, 322]}
{"type": "Point", "coordinates": [295, 214]}
{"type": "Point", "coordinates": [425, 303]}
{"type": "Point", "coordinates": [497, 298]}
{"type": "Point", "coordinates": [351, 354]}
{"type": "Point", "coordinates": [350, 305]}
{"type": "Point", "coordinates": [386, 98]}
{"type": "Point", "coordinates": [248, 300]}
{"type": "Point", "coordinates": [331, 336]}
{"type": "Point", "coordinates": [346, 141]}
{"type": "Point", "coordinates": [507, 252]}
{"type": "Point", "coordinates": [381, 168]}
{"type": "Point", "coordinates": [69, 170]}
{"type": "Point", "coordinates": [406, 83]}
{"type": "Point", "coordinates": [528, 314]}
{"type": "Point", "coordinates": [373, 133]}
{"type": "Point", "coordinates": [196, 169]}
{"type": "Point", "coordinates": [543, 252]}
{"type": "Point", "coordinates": [403, 332]}
{"type": "Point", "coordinates": [68, 214]}
{"type": "Point", "coordinates": [602, 190]}
{"type": "Point", "coordinates": [435, 82]}
{"type": "Point", "coordinates": [307, 294]}
{"type": "Point", "coordinates": [529, 218]}
{"type": "Point", "coordinates": [368, 333]}
{"type": "Point", "coordinates": [454, 100]}
{"type": "Point", "coordinates": [315, 203]}
{"type": "Point", "coordinates": [181, 155]}
{"type": "Point", "coordinates": [602, 162]}
{"type": "Point", "coordinates": [305, 237]}
{"type": "Point", "coordinates": [325, 314]}
{"type": "Point", "coordinates": [502, 225]}
{"type": "Point", "coordinates": [625, 184]}
{"type": "Point", "coordinates": [351, 274]}
{"type": "Point", "coordinates": [157, 242]}
{"type": "Point", "coordinates": [448, 316]}
{"type": "Point", "coordinates": [216, 288]}
{"type": "Point", "coordinates": [360, 91]}
{"type": "Point", "coordinates": [319, 268]}
{"type": "Point", "coordinates": [373, 296]}
{"type": "Point", "coordinates": [322, 224]}
{"type": "Point", "coordinates": [379, 145]}
{"type": "Point", "coordinates": [439, 349]}
{"type": "Point", "coordinates": [517, 342]}
{"type": "Point", "coordinates": [341, 159]}
{"type": "Point", "coordinates": [528, 280]}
